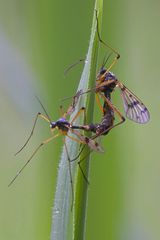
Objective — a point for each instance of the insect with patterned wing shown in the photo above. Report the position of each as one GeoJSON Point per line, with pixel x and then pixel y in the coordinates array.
{"type": "Point", "coordinates": [106, 82]}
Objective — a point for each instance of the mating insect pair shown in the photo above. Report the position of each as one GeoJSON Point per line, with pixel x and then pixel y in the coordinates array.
{"type": "Point", "coordinates": [106, 82]}
{"type": "Point", "coordinates": [64, 127]}
{"type": "Point", "coordinates": [134, 109]}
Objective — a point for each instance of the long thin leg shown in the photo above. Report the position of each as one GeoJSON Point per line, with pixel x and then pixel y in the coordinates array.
{"type": "Point", "coordinates": [31, 157]}
{"type": "Point", "coordinates": [86, 140]}
{"type": "Point", "coordinates": [80, 161]}
{"type": "Point", "coordinates": [71, 108]}
{"type": "Point", "coordinates": [81, 150]}
{"type": "Point", "coordinates": [112, 106]}
{"type": "Point", "coordinates": [115, 110]}
{"type": "Point", "coordinates": [43, 109]}
{"type": "Point", "coordinates": [100, 84]}
{"type": "Point", "coordinates": [107, 45]}
{"type": "Point", "coordinates": [82, 110]}
{"type": "Point", "coordinates": [70, 173]}
{"type": "Point", "coordinates": [75, 139]}
{"type": "Point", "coordinates": [99, 103]}
{"type": "Point", "coordinates": [84, 176]}
{"type": "Point", "coordinates": [73, 65]}
{"type": "Point", "coordinates": [79, 164]}
{"type": "Point", "coordinates": [35, 121]}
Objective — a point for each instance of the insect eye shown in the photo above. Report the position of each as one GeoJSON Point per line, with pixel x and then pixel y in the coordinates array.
{"type": "Point", "coordinates": [102, 71]}
{"type": "Point", "coordinates": [52, 124]}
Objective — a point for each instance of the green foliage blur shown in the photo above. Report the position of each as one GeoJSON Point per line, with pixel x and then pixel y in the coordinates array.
{"type": "Point", "coordinates": [38, 41]}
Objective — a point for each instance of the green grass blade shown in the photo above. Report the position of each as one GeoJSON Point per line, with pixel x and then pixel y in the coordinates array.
{"type": "Point", "coordinates": [81, 184]}
{"type": "Point", "coordinates": [62, 203]}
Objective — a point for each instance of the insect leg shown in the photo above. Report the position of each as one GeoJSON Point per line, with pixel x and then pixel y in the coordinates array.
{"type": "Point", "coordinates": [70, 173]}
{"type": "Point", "coordinates": [73, 65]}
{"type": "Point", "coordinates": [35, 121]}
{"type": "Point", "coordinates": [81, 160]}
{"type": "Point", "coordinates": [99, 103]}
{"type": "Point", "coordinates": [82, 147]}
{"type": "Point", "coordinates": [31, 157]}
{"type": "Point", "coordinates": [107, 45]}
{"type": "Point", "coordinates": [71, 108]}
{"type": "Point", "coordinates": [75, 139]}
{"type": "Point", "coordinates": [86, 140]}
{"type": "Point", "coordinates": [83, 174]}
{"type": "Point", "coordinates": [82, 110]}
{"type": "Point", "coordinates": [78, 157]}
{"type": "Point", "coordinates": [115, 110]}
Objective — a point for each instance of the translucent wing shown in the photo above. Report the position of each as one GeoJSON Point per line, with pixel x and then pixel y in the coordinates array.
{"type": "Point", "coordinates": [93, 144]}
{"type": "Point", "coordinates": [90, 142]}
{"type": "Point", "coordinates": [135, 110]}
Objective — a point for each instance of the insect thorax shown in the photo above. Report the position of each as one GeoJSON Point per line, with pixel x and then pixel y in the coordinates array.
{"type": "Point", "coordinates": [104, 77]}
{"type": "Point", "coordinates": [62, 124]}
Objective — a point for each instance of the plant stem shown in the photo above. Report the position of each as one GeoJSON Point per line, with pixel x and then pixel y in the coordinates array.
{"type": "Point", "coordinates": [81, 184]}
{"type": "Point", "coordinates": [61, 212]}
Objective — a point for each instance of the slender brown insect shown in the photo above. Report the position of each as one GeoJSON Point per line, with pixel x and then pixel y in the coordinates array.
{"type": "Point", "coordinates": [64, 128]}
{"type": "Point", "coordinates": [106, 82]}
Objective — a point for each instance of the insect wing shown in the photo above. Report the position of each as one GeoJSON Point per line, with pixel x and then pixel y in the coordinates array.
{"type": "Point", "coordinates": [90, 142]}
{"type": "Point", "coordinates": [135, 110]}
{"type": "Point", "coordinates": [94, 145]}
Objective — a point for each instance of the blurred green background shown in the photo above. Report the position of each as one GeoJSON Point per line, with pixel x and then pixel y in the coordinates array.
{"type": "Point", "coordinates": [38, 41]}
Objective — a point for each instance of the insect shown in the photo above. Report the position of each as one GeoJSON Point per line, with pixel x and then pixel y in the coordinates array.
{"type": "Point", "coordinates": [65, 129]}
{"type": "Point", "coordinates": [106, 82]}
{"type": "Point", "coordinates": [135, 110]}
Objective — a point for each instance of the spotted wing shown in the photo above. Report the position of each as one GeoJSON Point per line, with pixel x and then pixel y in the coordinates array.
{"type": "Point", "coordinates": [71, 108]}
{"type": "Point", "coordinates": [93, 144]}
{"type": "Point", "coordinates": [135, 110]}
{"type": "Point", "coordinates": [90, 142]}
